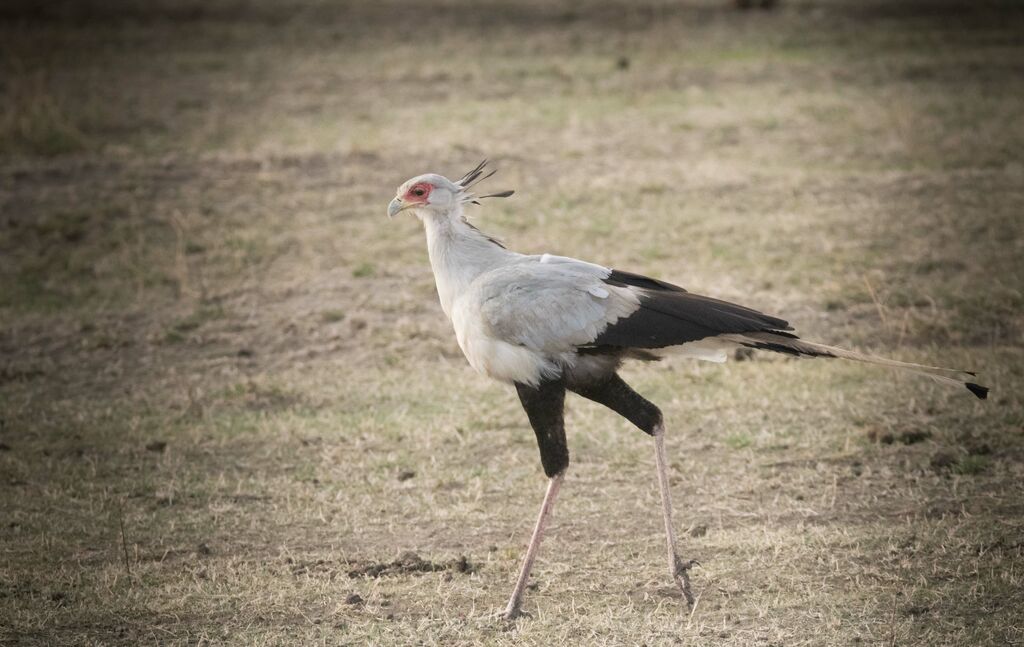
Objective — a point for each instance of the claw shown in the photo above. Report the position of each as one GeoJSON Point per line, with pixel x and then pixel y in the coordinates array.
{"type": "Point", "coordinates": [511, 615]}
{"type": "Point", "coordinates": [682, 577]}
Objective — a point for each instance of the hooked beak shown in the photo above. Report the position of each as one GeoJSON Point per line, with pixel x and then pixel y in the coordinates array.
{"type": "Point", "coordinates": [395, 206]}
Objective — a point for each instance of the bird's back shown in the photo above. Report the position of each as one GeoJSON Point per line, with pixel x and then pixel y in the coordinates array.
{"type": "Point", "coordinates": [540, 307]}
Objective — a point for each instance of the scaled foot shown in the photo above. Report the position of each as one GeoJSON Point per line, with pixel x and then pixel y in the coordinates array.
{"type": "Point", "coordinates": [681, 574]}
{"type": "Point", "coordinates": [510, 614]}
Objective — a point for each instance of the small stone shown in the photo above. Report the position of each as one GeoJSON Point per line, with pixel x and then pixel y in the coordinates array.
{"type": "Point", "coordinates": [882, 436]}
{"type": "Point", "coordinates": [462, 565]}
{"type": "Point", "coordinates": [981, 449]}
{"type": "Point", "coordinates": [157, 446]}
{"type": "Point", "coordinates": [914, 437]}
{"type": "Point", "coordinates": [405, 475]}
{"type": "Point", "coordinates": [943, 460]}
{"type": "Point", "coordinates": [354, 599]}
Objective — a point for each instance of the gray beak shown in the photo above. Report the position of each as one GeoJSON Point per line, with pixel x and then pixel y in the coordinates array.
{"type": "Point", "coordinates": [395, 206]}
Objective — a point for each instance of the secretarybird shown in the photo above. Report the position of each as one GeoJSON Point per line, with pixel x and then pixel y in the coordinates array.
{"type": "Point", "coordinates": [548, 324]}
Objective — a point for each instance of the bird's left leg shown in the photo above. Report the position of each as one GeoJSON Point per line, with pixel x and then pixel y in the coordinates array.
{"type": "Point", "coordinates": [680, 569]}
{"type": "Point", "coordinates": [615, 394]}
{"type": "Point", "coordinates": [544, 406]}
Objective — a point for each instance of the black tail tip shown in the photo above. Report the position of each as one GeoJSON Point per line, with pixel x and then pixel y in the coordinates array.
{"type": "Point", "coordinates": [978, 390]}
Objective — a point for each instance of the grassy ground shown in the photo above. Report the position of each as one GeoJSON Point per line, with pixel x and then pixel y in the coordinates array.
{"type": "Point", "coordinates": [231, 409]}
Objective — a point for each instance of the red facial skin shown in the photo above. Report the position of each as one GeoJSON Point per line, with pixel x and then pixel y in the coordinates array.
{"type": "Point", "coordinates": [411, 196]}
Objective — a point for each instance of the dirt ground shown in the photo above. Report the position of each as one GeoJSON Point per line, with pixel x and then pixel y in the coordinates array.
{"type": "Point", "coordinates": [232, 411]}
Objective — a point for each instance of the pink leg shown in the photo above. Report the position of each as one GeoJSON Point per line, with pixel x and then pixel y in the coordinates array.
{"type": "Point", "coordinates": [677, 567]}
{"type": "Point", "coordinates": [513, 610]}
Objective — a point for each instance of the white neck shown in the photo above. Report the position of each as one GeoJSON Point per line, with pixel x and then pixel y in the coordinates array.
{"type": "Point", "coordinates": [458, 254]}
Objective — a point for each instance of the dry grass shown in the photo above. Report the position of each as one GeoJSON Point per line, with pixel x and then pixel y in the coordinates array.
{"type": "Point", "coordinates": [226, 383]}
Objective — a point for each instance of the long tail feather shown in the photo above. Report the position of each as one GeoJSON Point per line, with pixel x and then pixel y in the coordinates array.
{"type": "Point", "coordinates": [799, 347]}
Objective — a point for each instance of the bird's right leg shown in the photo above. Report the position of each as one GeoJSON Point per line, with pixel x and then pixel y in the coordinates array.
{"type": "Point", "coordinates": [615, 394]}
{"type": "Point", "coordinates": [544, 406]}
{"type": "Point", "coordinates": [514, 608]}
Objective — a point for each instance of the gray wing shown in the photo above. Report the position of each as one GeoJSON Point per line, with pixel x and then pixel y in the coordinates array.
{"type": "Point", "coordinates": [551, 304]}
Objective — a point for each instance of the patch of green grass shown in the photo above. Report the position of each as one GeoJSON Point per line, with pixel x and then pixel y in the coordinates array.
{"type": "Point", "coordinates": [364, 270]}
{"type": "Point", "coordinates": [971, 465]}
{"type": "Point", "coordinates": [33, 122]}
{"type": "Point", "coordinates": [739, 440]}
{"type": "Point", "coordinates": [178, 331]}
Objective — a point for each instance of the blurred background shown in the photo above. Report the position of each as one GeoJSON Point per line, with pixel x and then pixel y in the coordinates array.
{"type": "Point", "coordinates": [228, 393]}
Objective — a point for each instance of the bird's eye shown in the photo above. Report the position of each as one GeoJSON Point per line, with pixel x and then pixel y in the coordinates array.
{"type": "Point", "coordinates": [418, 192]}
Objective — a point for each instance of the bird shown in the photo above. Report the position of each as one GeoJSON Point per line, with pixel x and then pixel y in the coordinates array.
{"type": "Point", "coordinates": [550, 324]}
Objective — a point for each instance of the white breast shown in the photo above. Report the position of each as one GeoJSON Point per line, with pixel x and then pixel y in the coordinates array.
{"type": "Point", "coordinates": [492, 357]}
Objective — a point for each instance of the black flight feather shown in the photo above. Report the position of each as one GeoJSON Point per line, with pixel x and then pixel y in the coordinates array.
{"type": "Point", "coordinates": [622, 279]}
{"type": "Point", "coordinates": [978, 390]}
{"type": "Point", "coordinates": [670, 316]}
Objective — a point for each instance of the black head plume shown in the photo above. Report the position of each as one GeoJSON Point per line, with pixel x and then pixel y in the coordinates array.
{"type": "Point", "coordinates": [469, 178]}
{"type": "Point", "coordinates": [475, 177]}
{"type": "Point", "coordinates": [499, 194]}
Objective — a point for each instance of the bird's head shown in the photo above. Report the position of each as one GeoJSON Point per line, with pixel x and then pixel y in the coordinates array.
{"type": "Point", "coordinates": [433, 194]}
{"type": "Point", "coordinates": [425, 193]}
